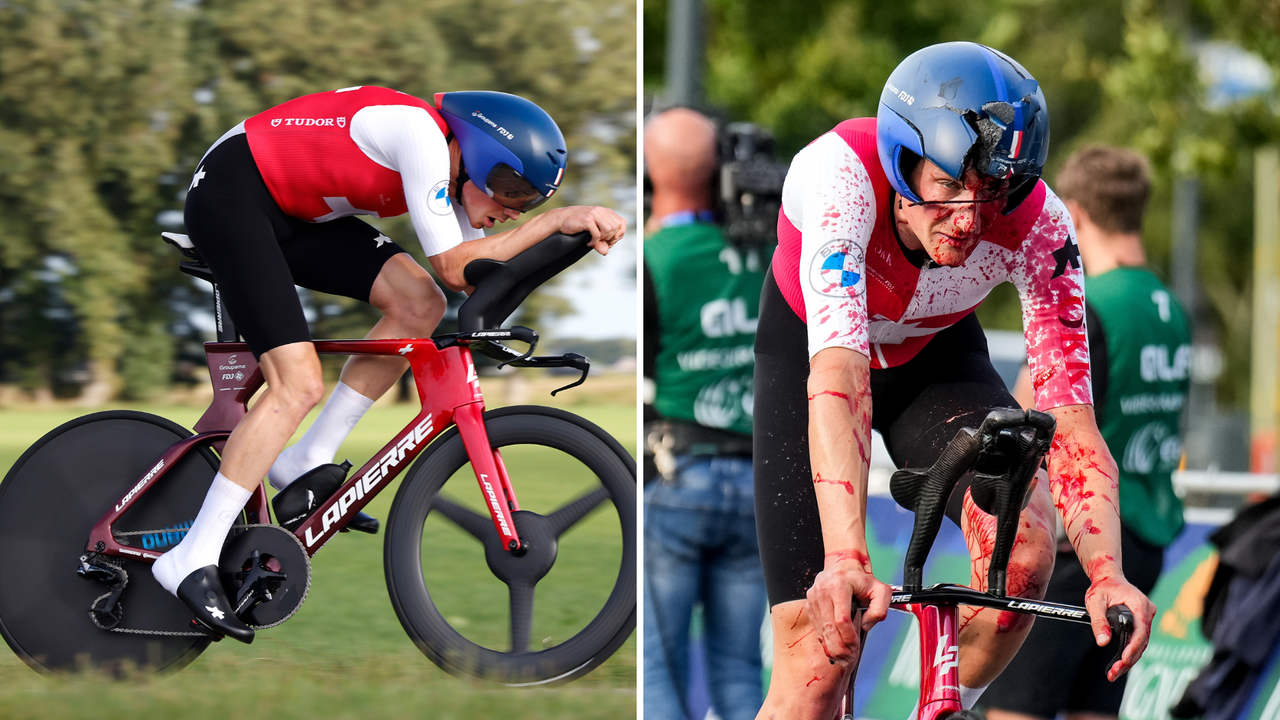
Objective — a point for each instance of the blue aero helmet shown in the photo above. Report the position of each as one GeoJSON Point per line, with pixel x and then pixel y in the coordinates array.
{"type": "Point", "coordinates": [511, 148]}
{"type": "Point", "coordinates": [963, 105]}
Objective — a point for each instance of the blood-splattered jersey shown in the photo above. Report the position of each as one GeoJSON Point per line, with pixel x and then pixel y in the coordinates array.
{"type": "Point", "coordinates": [843, 270]}
{"type": "Point", "coordinates": [360, 151]}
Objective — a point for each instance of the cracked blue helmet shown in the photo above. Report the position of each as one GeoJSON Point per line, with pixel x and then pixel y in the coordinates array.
{"type": "Point", "coordinates": [963, 106]}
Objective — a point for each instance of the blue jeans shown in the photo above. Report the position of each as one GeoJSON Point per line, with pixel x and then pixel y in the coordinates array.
{"type": "Point", "coordinates": [700, 547]}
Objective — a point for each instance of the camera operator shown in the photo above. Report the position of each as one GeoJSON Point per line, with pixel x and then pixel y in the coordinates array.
{"type": "Point", "coordinates": [701, 296]}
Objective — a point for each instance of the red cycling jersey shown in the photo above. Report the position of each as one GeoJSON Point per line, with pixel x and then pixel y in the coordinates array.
{"type": "Point", "coordinates": [842, 269]}
{"type": "Point", "coordinates": [310, 162]}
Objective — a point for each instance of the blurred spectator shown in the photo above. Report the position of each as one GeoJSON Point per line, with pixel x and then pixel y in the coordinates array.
{"type": "Point", "coordinates": [701, 297]}
{"type": "Point", "coordinates": [1139, 349]}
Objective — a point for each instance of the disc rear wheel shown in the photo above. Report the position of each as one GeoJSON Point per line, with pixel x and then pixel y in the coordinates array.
{"type": "Point", "coordinates": [51, 499]}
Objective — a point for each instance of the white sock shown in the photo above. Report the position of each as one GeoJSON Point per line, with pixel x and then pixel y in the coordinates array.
{"type": "Point", "coordinates": [203, 544]}
{"type": "Point", "coordinates": [320, 443]}
{"type": "Point", "coordinates": [968, 698]}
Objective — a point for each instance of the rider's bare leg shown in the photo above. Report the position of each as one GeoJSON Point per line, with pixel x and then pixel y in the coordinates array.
{"type": "Point", "coordinates": [804, 684]}
{"type": "Point", "coordinates": [990, 638]}
{"type": "Point", "coordinates": [412, 306]}
{"type": "Point", "coordinates": [293, 387]}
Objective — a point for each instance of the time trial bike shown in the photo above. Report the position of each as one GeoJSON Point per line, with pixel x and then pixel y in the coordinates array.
{"type": "Point", "coordinates": [87, 509]}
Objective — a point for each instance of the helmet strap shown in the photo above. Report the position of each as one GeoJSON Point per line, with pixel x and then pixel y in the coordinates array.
{"type": "Point", "coordinates": [462, 169]}
{"type": "Point", "coordinates": [463, 178]}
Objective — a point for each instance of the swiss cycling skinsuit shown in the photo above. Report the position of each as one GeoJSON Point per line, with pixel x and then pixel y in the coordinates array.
{"type": "Point", "coordinates": [273, 201]}
{"type": "Point", "coordinates": [841, 277]}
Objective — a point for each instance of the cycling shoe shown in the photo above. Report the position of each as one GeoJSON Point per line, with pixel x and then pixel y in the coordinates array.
{"type": "Point", "coordinates": [364, 523]}
{"type": "Point", "coordinates": [202, 592]}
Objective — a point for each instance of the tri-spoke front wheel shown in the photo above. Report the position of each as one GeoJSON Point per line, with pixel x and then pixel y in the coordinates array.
{"type": "Point", "coordinates": [556, 611]}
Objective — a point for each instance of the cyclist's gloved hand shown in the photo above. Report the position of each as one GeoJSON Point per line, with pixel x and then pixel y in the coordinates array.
{"type": "Point", "coordinates": [1109, 591]}
{"type": "Point", "coordinates": [845, 579]}
{"type": "Point", "coordinates": [606, 226]}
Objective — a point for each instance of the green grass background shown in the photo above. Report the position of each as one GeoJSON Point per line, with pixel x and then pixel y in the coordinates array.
{"type": "Point", "coordinates": [345, 655]}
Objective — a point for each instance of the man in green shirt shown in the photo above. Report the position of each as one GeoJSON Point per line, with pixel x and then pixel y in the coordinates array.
{"type": "Point", "coordinates": [1140, 349]}
{"type": "Point", "coordinates": [701, 300]}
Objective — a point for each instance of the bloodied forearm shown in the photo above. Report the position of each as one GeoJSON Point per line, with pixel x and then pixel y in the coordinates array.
{"type": "Point", "coordinates": [1084, 482]}
{"type": "Point", "coordinates": [840, 450]}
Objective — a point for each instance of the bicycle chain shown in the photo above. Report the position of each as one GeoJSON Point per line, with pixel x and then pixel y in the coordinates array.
{"type": "Point", "coordinates": [118, 563]}
{"type": "Point", "coordinates": [133, 631]}
{"type": "Point", "coordinates": [130, 533]}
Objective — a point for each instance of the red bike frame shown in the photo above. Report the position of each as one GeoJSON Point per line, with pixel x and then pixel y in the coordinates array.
{"type": "Point", "coordinates": [939, 658]}
{"type": "Point", "coordinates": [937, 609]}
{"type": "Point", "coordinates": [454, 398]}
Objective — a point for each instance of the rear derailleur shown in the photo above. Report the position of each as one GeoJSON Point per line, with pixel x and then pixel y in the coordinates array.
{"type": "Point", "coordinates": [106, 611]}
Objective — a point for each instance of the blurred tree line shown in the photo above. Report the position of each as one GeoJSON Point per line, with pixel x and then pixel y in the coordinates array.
{"type": "Point", "coordinates": [107, 105]}
{"type": "Point", "coordinates": [1120, 72]}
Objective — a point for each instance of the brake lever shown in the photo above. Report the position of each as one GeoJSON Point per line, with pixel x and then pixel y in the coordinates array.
{"type": "Point", "coordinates": [577, 362]}
{"type": "Point", "coordinates": [1120, 618]}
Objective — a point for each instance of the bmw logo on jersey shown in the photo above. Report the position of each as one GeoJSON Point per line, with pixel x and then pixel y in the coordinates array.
{"type": "Point", "coordinates": [837, 269]}
{"type": "Point", "coordinates": [439, 201]}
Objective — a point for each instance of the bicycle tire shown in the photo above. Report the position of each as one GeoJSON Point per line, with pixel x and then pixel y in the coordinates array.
{"type": "Point", "coordinates": [50, 500]}
{"type": "Point", "coordinates": [603, 461]}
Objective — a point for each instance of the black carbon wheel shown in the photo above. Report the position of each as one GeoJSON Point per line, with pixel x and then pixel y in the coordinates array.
{"type": "Point", "coordinates": [549, 616]}
{"type": "Point", "coordinates": [49, 502]}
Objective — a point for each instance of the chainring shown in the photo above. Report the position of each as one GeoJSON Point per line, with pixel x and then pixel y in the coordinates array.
{"type": "Point", "coordinates": [273, 551]}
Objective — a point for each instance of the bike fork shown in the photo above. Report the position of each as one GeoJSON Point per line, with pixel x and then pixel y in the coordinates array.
{"type": "Point", "coordinates": [490, 473]}
{"type": "Point", "coordinates": [939, 660]}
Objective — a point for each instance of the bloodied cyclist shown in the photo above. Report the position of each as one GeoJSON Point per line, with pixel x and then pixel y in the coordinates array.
{"type": "Point", "coordinates": [272, 204]}
{"type": "Point", "coordinates": [893, 229]}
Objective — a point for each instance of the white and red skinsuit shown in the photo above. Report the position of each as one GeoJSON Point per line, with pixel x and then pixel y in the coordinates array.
{"type": "Point", "coordinates": [842, 270]}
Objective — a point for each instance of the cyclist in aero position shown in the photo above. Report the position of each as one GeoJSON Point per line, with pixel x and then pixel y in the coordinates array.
{"type": "Point", "coordinates": [893, 229]}
{"type": "Point", "coordinates": [272, 204]}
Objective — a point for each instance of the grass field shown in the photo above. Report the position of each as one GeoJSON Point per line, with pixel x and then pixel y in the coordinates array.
{"type": "Point", "coordinates": [345, 655]}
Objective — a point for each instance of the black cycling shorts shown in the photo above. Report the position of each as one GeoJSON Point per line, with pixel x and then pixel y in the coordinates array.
{"type": "Point", "coordinates": [917, 407]}
{"type": "Point", "coordinates": [257, 253]}
{"type": "Point", "coordinates": [1060, 667]}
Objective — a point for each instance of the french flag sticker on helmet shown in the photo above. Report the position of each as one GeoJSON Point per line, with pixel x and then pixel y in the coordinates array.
{"type": "Point", "coordinates": [1016, 145]}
